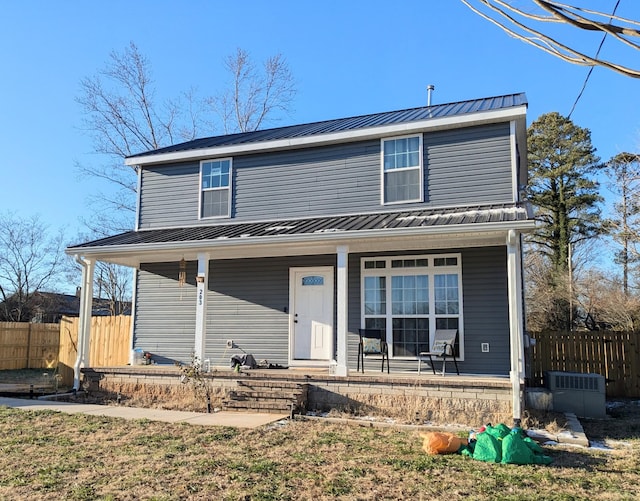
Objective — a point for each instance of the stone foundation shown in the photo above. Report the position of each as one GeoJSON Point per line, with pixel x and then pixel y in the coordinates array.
{"type": "Point", "coordinates": [469, 401]}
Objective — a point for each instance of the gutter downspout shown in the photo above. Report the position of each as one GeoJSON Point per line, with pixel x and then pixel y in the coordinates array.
{"type": "Point", "coordinates": [84, 327]}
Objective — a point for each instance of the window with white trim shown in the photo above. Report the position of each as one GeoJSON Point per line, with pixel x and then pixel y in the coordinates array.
{"type": "Point", "coordinates": [215, 188]}
{"type": "Point", "coordinates": [402, 179]}
{"type": "Point", "coordinates": [409, 297]}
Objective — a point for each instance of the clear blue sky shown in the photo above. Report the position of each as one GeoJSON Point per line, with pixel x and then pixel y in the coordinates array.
{"type": "Point", "coordinates": [348, 57]}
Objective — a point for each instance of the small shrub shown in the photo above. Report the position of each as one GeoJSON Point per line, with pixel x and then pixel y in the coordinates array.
{"type": "Point", "coordinates": [195, 376]}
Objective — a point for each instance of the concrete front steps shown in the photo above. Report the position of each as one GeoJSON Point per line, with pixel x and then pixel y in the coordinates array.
{"type": "Point", "coordinates": [282, 397]}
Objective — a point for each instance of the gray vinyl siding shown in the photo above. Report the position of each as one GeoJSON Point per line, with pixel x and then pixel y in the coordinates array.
{"type": "Point", "coordinates": [469, 166]}
{"type": "Point", "coordinates": [318, 181]}
{"type": "Point", "coordinates": [466, 166]}
{"type": "Point", "coordinates": [169, 196]}
{"type": "Point", "coordinates": [164, 322]}
{"type": "Point", "coordinates": [248, 302]}
{"type": "Point", "coordinates": [485, 312]}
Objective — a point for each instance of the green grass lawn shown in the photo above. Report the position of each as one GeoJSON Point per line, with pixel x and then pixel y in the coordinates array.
{"type": "Point", "coordinates": [46, 455]}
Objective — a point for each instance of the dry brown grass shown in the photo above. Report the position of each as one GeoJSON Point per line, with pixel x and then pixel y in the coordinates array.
{"type": "Point", "coordinates": [171, 397]}
{"type": "Point", "coordinates": [400, 409]}
{"type": "Point", "coordinates": [409, 409]}
{"type": "Point", "coordinates": [77, 457]}
{"type": "Point", "coordinates": [553, 422]}
{"type": "Point", "coordinates": [403, 409]}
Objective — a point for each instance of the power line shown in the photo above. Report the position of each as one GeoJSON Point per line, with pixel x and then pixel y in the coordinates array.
{"type": "Point", "coordinates": [584, 85]}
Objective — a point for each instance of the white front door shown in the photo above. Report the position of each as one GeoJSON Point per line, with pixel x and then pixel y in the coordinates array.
{"type": "Point", "coordinates": [311, 310]}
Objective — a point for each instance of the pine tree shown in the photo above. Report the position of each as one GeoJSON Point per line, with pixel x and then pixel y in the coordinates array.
{"type": "Point", "coordinates": [566, 201]}
{"type": "Point", "coordinates": [562, 162]}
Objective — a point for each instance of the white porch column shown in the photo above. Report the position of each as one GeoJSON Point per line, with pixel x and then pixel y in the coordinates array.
{"type": "Point", "coordinates": [516, 321]}
{"type": "Point", "coordinates": [202, 281]}
{"type": "Point", "coordinates": [342, 316]}
{"type": "Point", "coordinates": [134, 301]}
{"type": "Point", "coordinates": [84, 324]}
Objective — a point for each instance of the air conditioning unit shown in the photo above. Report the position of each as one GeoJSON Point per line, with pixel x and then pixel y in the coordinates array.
{"type": "Point", "coordinates": [582, 394]}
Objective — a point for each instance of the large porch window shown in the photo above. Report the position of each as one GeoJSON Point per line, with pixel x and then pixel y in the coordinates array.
{"type": "Point", "coordinates": [409, 297]}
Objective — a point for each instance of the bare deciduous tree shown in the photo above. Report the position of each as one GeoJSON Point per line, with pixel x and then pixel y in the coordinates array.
{"type": "Point", "coordinates": [123, 116]}
{"type": "Point", "coordinates": [113, 283]}
{"type": "Point", "coordinates": [30, 260]}
{"type": "Point", "coordinates": [532, 26]}
{"type": "Point", "coordinates": [548, 295]}
{"type": "Point", "coordinates": [624, 173]}
{"type": "Point", "coordinates": [254, 95]}
{"type": "Point", "coordinates": [606, 304]}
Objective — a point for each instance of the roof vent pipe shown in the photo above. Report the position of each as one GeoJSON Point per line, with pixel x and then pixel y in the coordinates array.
{"type": "Point", "coordinates": [430, 89]}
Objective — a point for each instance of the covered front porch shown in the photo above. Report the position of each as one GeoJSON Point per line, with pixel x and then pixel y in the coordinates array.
{"type": "Point", "coordinates": [197, 290]}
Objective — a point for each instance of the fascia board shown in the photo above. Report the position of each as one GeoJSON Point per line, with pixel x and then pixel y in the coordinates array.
{"type": "Point", "coordinates": [324, 238]}
{"type": "Point", "coordinates": [332, 138]}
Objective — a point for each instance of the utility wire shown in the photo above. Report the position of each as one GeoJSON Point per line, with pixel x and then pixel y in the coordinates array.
{"type": "Point", "coordinates": [584, 85]}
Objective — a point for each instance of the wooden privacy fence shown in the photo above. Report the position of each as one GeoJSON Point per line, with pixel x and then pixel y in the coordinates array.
{"type": "Point", "coordinates": [28, 346]}
{"type": "Point", "coordinates": [615, 355]}
{"type": "Point", "coordinates": [110, 343]}
{"type": "Point", "coordinates": [47, 346]}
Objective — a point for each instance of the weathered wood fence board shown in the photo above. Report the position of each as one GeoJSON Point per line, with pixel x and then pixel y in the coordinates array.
{"type": "Point", "coordinates": [110, 343]}
{"type": "Point", "coordinates": [34, 346]}
{"type": "Point", "coordinates": [28, 346]}
{"type": "Point", "coordinates": [615, 355]}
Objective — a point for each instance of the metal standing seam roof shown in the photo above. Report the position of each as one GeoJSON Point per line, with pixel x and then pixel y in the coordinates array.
{"type": "Point", "coordinates": [347, 124]}
{"type": "Point", "coordinates": [319, 225]}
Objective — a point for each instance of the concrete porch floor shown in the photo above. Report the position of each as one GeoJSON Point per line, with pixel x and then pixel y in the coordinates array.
{"type": "Point", "coordinates": [426, 377]}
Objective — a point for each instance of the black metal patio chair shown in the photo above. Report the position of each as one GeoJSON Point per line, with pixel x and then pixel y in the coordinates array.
{"type": "Point", "coordinates": [372, 342]}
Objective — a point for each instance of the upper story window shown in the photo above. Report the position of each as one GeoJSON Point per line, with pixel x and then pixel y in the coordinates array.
{"type": "Point", "coordinates": [402, 170]}
{"type": "Point", "coordinates": [215, 186]}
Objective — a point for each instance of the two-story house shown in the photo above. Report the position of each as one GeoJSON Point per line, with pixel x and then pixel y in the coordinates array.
{"type": "Point", "coordinates": [288, 240]}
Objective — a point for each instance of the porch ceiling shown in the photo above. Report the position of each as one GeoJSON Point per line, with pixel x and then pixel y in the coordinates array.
{"type": "Point", "coordinates": [406, 230]}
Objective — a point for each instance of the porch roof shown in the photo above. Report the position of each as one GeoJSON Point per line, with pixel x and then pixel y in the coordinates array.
{"type": "Point", "coordinates": [328, 230]}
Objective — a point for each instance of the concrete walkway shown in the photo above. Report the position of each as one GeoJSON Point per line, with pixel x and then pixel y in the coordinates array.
{"type": "Point", "coordinates": [223, 418]}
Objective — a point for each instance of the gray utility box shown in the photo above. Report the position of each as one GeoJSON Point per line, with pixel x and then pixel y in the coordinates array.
{"type": "Point", "coordinates": [582, 394]}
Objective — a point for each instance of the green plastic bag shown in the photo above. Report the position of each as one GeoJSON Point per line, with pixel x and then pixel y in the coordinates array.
{"type": "Point", "coordinates": [488, 448]}
{"type": "Point", "coordinates": [538, 452]}
{"type": "Point", "coordinates": [499, 431]}
{"type": "Point", "coordinates": [533, 445]}
{"type": "Point", "coordinates": [517, 449]}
